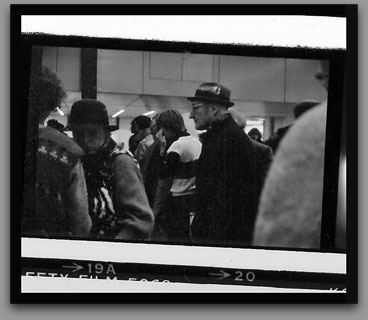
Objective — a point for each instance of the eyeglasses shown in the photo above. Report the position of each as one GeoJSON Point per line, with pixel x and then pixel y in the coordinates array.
{"type": "Point", "coordinates": [196, 105]}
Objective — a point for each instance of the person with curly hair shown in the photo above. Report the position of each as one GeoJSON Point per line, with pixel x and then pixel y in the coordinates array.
{"type": "Point", "coordinates": [60, 194]}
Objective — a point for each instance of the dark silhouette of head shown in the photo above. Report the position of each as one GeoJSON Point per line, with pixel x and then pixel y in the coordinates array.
{"type": "Point", "coordinates": [255, 134]}
{"type": "Point", "coordinates": [143, 122]}
{"type": "Point", "coordinates": [45, 93]}
{"type": "Point", "coordinates": [55, 124]}
{"type": "Point", "coordinates": [304, 106]}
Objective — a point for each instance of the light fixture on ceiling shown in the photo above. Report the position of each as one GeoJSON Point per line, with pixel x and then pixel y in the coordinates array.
{"type": "Point", "coordinates": [117, 113]}
{"type": "Point", "coordinates": [149, 113]}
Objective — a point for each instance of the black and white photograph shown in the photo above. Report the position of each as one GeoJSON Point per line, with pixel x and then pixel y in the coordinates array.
{"type": "Point", "coordinates": [182, 153]}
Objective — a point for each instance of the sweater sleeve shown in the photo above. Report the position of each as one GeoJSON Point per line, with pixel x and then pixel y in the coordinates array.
{"type": "Point", "coordinates": [169, 165]}
{"type": "Point", "coordinates": [135, 216]}
{"type": "Point", "coordinates": [77, 203]}
{"type": "Point", "coordinates": [140, 151]}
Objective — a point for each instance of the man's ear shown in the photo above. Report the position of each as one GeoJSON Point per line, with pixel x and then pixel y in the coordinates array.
{"type": "Point", "coordinates": [213, 109]}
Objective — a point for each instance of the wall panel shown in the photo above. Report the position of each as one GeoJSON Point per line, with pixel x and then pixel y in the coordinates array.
{"type": "Point", "coordinates": [65, 62]}
{"type": "Point", "coordinates": [301, 83]}
{"type": "Point", "coordinates": [252, 78]}
{"type": "Point", "coordinates": [166, 65]}
{"type": "Point", "coordinates": [68, 68]}
{"type": "Point", "coordinates": [120, 71]}
{"type": "Point", "coordinates": [197, 67]}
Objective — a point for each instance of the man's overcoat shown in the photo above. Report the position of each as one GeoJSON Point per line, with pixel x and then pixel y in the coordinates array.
{"type": "Point", "coordinates": [227, 199]}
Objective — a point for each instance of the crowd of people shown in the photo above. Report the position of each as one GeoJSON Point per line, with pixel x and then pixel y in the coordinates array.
{"type": "Point", "coordinates": [224, 188]}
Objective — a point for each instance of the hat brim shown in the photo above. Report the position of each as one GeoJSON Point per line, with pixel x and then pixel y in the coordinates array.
{"type": "Point", "coordinates": [112, 128]}
{"type": "Point", "coordinates": [226, 103]}
{"type": "Point", "coordinates": [109, 128]}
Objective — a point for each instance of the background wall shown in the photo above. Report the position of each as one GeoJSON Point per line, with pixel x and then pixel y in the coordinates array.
{"type": "Point", "coordinates": [143, 81]}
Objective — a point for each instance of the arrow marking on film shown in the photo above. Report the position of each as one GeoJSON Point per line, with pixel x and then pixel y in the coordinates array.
{"type": "Point", "coordinates": [223, 274]}
{"type": "Point", "coordinates": [75, 266]}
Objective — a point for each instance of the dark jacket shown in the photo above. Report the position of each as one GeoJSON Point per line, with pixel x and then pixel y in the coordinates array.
{"type": "Point", "coordinates": [144, 144]}
{"type": "Point", "coordinates": [117, 200]}
{"type": "Point", "coordinates": [226, 203]}
{"type": "Point", "coordinates": [276, 138]}
{"type": "Point", "coordinates": [61, 206]}
{"type": "Point", "coordinates": [150, 171]}
{"type": "Point", "coordinates": [263, 157]}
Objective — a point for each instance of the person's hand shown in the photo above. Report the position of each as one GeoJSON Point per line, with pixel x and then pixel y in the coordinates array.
{"type": "Point", "coordinates": [191, 217]}
{"type": "Point", "coordinates": [162, 141]}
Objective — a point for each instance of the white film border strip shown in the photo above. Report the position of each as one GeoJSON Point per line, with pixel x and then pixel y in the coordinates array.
{"type": "Point", "coordinates": [67, 285]}
{"type": "Point", "coordinates": [265, 30]}
{"type": "Point", "coordinates": [261, 259]}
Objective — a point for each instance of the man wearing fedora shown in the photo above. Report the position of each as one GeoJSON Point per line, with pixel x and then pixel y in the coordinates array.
{"type": "Point", "coordinates": [226, 200]}
{"type": "Point", "coordinates": [118, 203]}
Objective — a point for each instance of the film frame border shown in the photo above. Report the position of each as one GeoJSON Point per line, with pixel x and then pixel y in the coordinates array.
{"type": "Point", "coordinates": [351, 12]}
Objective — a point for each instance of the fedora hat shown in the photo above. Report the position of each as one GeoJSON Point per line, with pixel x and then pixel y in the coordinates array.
{"type": "Point", "coordinates": [213, 92]}
{"type": "Point", "coordinates": [90, 111]}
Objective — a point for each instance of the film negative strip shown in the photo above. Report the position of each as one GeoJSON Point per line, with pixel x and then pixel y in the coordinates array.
{"type": "Point", "coordinates": [261, 270]}
{"type": "Point", "coordinates": [133, 75]}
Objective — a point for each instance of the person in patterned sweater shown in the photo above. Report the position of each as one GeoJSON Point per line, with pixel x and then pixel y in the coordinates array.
{"type": "Point", "coordinates": [55, 199]}
{"type": "Point", "coordinates": [118, 203]}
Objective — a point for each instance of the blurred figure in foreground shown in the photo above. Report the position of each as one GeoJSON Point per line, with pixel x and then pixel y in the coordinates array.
{"type": "Point", "coordinates": [61, 196]}
{"type": "Point", "coordinates": [290, 209]}
{"type": "Point", "coordinates": [118, 203]}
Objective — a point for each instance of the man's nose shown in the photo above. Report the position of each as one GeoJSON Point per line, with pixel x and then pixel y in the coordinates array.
{"type": "Point", "coordinates": [191, 114]}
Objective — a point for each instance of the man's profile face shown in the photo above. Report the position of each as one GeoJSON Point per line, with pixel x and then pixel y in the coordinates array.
{"type": "Point", "coordinates": [201, 115]}
{"type": "Point", "coordinates": [134, 128]}
{"type": "Point", "coordinates": [90, 137]}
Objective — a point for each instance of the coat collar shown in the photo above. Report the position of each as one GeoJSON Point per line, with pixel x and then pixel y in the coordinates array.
{"type": "Point", "coordinates": [218, 125]}
{"type": "Point", "coordinates": [221, 121]}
